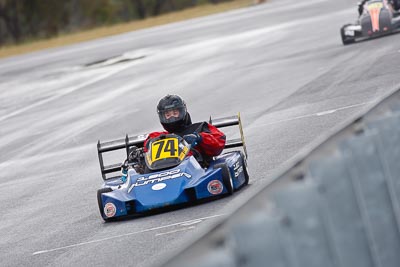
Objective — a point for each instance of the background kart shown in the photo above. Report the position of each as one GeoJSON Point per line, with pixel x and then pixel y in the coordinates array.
{"type": "Point", "coordinates": [186, 183]}
{"type": "Point", "coordinates": [378, 19]}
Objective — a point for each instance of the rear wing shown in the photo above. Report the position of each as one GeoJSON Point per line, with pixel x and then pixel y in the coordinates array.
{"type": "Point", "coordinates": [138, 140]}
{"type": "Point", "coordinates": [231, 121]}
{"type": "Point", "coordinates": [127, 143]}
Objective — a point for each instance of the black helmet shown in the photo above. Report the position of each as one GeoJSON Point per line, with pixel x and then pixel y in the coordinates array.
{"type": "Point", "coordinates": [173, 124]}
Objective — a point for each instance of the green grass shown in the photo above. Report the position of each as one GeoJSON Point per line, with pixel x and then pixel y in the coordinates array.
{"type": "Point", "coordinates": [67, 39]}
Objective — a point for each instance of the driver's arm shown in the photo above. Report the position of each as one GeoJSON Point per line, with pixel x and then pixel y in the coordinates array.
{"type": "Point", "coordinates": [213, 141]}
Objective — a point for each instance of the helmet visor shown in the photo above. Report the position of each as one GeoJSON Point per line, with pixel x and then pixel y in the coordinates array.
{"type": "Point", "coordinates": [172, 114]}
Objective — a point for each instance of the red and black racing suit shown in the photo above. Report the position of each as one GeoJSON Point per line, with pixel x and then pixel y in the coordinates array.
{"type": "Point", "coordinates": [212, 143]}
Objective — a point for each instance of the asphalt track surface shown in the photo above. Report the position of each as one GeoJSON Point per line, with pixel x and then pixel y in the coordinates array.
{"type": "Point", "coordinates": [280, 64]}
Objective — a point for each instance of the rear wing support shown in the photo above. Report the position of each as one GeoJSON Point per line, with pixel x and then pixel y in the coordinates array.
{"type": "Point", "coordinates": [231, 121]}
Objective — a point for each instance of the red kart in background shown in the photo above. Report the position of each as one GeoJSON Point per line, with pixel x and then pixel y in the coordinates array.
{"type": "Point", "coordinates": [377, 19]}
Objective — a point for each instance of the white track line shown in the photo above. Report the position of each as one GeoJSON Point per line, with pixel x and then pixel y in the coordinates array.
{"type": "Point", "coordinates": [322, 113]}
{"type": "Point", "coordinates": [127, 234]}
{"type": "Point", "coordinates": [175, 231]}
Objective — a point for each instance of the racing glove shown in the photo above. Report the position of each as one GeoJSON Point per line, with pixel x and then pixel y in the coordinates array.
{"type": "Point", "coordinates": [193, 139]}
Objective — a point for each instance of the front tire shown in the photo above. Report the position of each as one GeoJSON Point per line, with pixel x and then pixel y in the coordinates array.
{"type": "Point", "coordinates": [100, 202]}
{"type": "Point", "coordinates": [226, 177]}
{"type": "Point", "coordinates": [345, 39]}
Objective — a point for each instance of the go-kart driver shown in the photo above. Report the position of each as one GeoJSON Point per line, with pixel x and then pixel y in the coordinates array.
{"type": "Point", "coordinates": [204, 137]}
{"type": "Point", "coordinates": [361, 7]}
{"type": "Point", "coordinates": [395, 4]}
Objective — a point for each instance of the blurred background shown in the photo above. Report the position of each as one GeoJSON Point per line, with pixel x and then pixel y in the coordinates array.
{"type": "Point", "coordinates": [23, 20]}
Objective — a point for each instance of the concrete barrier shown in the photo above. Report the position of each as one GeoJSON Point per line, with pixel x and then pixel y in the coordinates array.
{"type": "Point", "coordinates": [336, 204]}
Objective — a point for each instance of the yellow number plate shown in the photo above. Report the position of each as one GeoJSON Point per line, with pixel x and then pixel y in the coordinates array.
{"type": "Point", "coordinates": [375, 6]}
{"type": "Point", "coordinates": [164, 148]}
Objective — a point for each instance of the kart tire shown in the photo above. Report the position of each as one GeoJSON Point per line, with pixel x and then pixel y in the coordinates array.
{"type": "Point", "coordinates": [226, 177]}
{"type": "Point", "coordinates": [245, 171]}
{"type": "Point", "coordinates": [346, 40]}
{"type": "Point", "coordinates": [100, 203]}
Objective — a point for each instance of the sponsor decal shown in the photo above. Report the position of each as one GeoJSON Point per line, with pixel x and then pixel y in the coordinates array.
{"type": "Point", "coordinates": [110, 210]}
{"type": "Point", "coordinates": [159, 177]}
{"type": "Point", "coordinates": [215, 187]}
{"type": "Point", "coordinates": [159, 186]}
{"type": "Point", "coordinates": [237, 168]}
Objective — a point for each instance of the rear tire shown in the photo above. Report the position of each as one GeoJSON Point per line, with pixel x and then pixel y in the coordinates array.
{"type": "Point", "coordinates": [100, 202]}
{"type": "Point", "coordinates": [226, 177]}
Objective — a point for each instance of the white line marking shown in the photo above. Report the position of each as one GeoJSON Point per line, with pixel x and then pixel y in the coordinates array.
{"type": "Point", "coordinates": [191, 222]}
{"type": "Point", "coordinates": [175, 231]}
{"type": "Point", "coordinates": [326, 112]}
{"type": "Point", "coordinates": [322, 113]}
{"type": "Point", "coordinates": [123, 235]}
